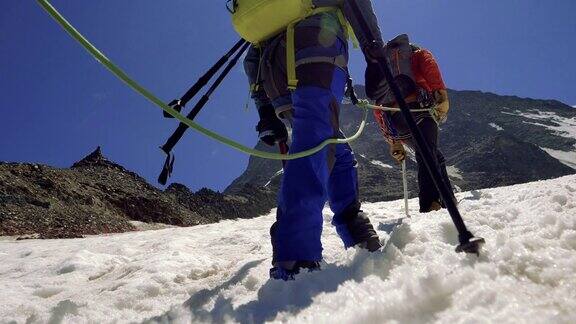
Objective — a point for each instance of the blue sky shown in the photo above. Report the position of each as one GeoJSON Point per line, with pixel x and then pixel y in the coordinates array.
{"type": "Point", "coordinates": [58, 103]}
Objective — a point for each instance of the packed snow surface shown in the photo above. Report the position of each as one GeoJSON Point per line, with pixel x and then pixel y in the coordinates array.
{"type": "Point", "coordinates": [219, 272]}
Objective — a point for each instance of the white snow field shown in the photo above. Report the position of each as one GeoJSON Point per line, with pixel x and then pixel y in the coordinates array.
{"type": "Point", "coordinates": [219, 272]}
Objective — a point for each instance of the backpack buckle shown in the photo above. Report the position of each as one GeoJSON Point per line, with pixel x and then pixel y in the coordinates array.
{"type": "Point", "coordinates": [231, 5]}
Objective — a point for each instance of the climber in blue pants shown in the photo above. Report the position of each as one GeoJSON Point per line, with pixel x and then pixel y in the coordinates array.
{"type": "Point", "coordinates": [311, 112]}
{"type": "Point", "coordinates": [309, 182]}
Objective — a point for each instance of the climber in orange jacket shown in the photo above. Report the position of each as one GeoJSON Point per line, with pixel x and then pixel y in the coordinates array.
{"type": "Point", "coordinates": [420, 81]}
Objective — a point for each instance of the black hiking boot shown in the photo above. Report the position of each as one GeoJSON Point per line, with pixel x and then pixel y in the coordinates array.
{"type": "Point", "coordinates": [286, 270]}
{"type": "Point", "coordinates": [372, 244]}
{"type": "Point", "coordinates": [360, 228]}
{"type": "Point", "coordinates": [363, 232]}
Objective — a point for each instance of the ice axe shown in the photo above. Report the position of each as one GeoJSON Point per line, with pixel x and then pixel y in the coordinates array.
{"type": "Point", "coordinates": [405, 187]}
{"type": "Point", "coordinates": [468, 242]}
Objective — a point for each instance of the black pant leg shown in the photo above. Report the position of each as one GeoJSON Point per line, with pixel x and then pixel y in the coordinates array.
{"type": "Point", "coordinates": [428, 193]}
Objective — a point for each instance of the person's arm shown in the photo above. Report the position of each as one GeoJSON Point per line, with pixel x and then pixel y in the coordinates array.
{"type": "Point", "coordinates": [429, 69]}
{"type": "Point", "coordinates": [370, 40]}
{"type": "Point", "coordinates": [373, 38]}
{"type": "Point", "coordinates": [270, 129]}
{"type": "Point", "coordinates": [431, 73]}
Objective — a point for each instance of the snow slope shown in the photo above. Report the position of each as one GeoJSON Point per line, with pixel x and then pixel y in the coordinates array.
{"type": "Point", "coordinates": [566, 157]}
{"type": "Point", "coordinates": [565, 127]}
{"type": "Point", "coordinates": [561, 126]}
{"type": "Point", "coordinates": [219, 272]}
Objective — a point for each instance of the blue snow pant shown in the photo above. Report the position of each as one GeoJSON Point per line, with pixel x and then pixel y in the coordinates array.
{"type": "Point", "coordinates": [328, 175]}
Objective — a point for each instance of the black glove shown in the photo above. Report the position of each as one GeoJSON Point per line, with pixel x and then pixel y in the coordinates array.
{"type": "Point", "coordinates": [271, 130]}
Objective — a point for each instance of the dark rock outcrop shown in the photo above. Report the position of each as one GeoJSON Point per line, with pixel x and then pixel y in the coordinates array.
{"type": "Point", "coordinates": [98, 196]}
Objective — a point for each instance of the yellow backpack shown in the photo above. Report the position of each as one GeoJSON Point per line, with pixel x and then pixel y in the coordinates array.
{"type": "Point", "coordinates": [259, 20]}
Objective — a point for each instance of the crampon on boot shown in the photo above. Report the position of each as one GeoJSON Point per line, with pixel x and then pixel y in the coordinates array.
{"type": "Point", "coordinates": [286, 270]}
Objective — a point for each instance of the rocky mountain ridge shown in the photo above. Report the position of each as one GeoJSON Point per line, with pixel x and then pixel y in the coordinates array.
{"type": "Point", "coordinates": [98, 196]}
{"type": "Point", "coordinates": [488, 141]}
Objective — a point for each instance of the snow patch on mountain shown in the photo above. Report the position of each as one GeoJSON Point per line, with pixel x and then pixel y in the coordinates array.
{"type": "Point", "coordinates": [219, 272]}
{"type": "Point", "coordinates": [494, 125]}
{"type": "Point", "coordinates": [410, 153]}
{"type": "Point", "coordinates": [381, 164]}
{"type": "Point", "coordinates": [566, 157]}
{"type": "Point", "coordinates": [565, 127]}
{"type": "Point", "coordinates": [454, 172]}
{"type": "Point", "coordinates": [277, 174]}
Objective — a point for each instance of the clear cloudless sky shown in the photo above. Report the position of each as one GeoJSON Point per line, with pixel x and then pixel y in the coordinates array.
{"type": "Point", "coordinates": [57, 103]}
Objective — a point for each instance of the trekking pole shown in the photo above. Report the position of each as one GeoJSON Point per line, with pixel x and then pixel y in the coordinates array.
{"type": "Point", "coordinates": [179, 132]}
{"type": "Point", "coordinates": [405, 185]}
{"type": "Point", "coordinates": [468, 243]}
{"type": "Point", "coordinates": [178, 104]}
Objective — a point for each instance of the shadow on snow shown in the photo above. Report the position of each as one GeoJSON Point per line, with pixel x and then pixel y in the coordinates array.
{"type": "Point", "coordinates": [275, 297]}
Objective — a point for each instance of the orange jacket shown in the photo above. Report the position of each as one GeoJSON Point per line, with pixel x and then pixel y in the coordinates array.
{"type": "Point", "coordinates": [426, 72]}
